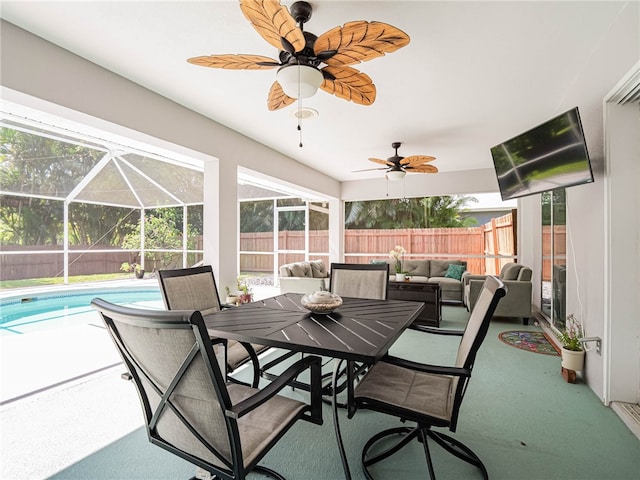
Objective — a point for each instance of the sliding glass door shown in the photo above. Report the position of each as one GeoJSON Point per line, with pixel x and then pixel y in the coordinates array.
{"type": "Point", "coordinates": [554, 248]}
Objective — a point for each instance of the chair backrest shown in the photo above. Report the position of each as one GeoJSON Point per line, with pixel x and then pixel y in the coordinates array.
{"type": "Point", "coordinates": [180, 385]}
{"type": "Point", "coordinates": [360, 280]}
{"type": "Point", "coordinates": [474, 334]}
{"type": "Point", "coordinates": [189, 289]}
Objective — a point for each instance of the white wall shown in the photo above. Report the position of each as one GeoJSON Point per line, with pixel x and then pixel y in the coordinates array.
{"type": "Point", "coordinates": [621, 329]}
{"type": "Point", "coordinates": [50, 78]}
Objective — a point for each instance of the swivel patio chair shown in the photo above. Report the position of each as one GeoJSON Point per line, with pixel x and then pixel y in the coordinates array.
{"type": "Point", "coordinates": [189, 409]}
{"type": "Point", "coordinates": [369, 281]}
{"type": "Point", "coordinates": [429, 395]}
{"type": "Point", "coordinates": [195, 289]}
{"type": "Point", "coordinates": [360, 280]}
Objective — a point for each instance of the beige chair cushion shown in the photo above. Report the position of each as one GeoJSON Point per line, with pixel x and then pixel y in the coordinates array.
{"type": "Point", "coordinates": [192, 292]}
{"type": "Point", "coordinates": [370, 284]}
{"type": "Point", "coordinates": [263, 424]}
{"type": "Point", "coordinates": [419, 392]}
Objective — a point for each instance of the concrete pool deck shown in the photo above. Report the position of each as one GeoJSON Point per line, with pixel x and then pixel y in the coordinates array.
{"type": "Point", "coordinates": [64, 351]}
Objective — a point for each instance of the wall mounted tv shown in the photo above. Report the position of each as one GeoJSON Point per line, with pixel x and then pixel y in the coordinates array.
{"type": "Point", "coordinates": [550, 156]}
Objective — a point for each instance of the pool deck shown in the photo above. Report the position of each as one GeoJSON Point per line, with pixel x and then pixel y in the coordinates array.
{"type": "Point", "coordinates": [54, 355]}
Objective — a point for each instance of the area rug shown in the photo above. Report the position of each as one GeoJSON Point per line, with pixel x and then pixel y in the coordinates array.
{"type": "Point", "coordinates": [530, 341]}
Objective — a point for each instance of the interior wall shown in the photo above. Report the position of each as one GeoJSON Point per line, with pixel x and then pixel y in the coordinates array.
{"type": "Point", "coordinates": [621, 332]}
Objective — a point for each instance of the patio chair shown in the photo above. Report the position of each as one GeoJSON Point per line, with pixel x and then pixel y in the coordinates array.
{"type": "Point", "coordinates": [189, 408]}
{"type": "Point", "coordinates": [360, 280]}
{"type": "Point", "coordinates": [370, 281]}
{"type": "Point", "coordinates": [429, 395]}
{"type": "Point", "coordinates": [195, 289]}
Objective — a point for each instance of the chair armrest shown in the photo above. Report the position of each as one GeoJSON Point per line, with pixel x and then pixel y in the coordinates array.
{"type": "Point", "coordinates": [467, 277]}
{"type": "Point", "coordinates": [426, 368]}
{"type": "Point", "coordinates": [436, 331]}
{"type": "Point", "coordinates": [314, 362]}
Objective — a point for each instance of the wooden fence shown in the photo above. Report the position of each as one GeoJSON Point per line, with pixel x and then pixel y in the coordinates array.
{"type": "Point", "coordinates": [476, 245]}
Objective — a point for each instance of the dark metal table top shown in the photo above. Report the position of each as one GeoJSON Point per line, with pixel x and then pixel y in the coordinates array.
{"type": "Point", "coordinates": [360, 329]}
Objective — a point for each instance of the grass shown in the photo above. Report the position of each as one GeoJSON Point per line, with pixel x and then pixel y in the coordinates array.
{"type": "Point", "coordinates": [34, 282]}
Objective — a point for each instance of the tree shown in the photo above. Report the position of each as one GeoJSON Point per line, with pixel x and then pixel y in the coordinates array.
{"type": "Point", "coordinates": [161, 233]}
{"type": "Point", "coordinates": [427, 212]}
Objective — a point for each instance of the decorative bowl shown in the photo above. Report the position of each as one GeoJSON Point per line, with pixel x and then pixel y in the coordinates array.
{"type": "Point", "coordinates": [321, 302]}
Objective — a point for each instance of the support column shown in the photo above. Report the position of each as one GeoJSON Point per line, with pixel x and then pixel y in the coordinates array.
{"type": "Point", "coordinates": [220, 222]}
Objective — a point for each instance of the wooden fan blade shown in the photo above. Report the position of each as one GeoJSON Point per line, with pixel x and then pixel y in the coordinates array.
{"type": "Point", "coordinates": [273, 22]}
{"type": "Point", "coordinates": [277, 98]}
{"type": "Point", "coordinates": [416, 160]}
{"type": "Point", "coordinates": [382, 162]}
{"type": "Point", "coordinates": [360, 41]}
{"type": "Point", "coordinates": [421, 169]}
{"type": "Point", "coordinates": [349, 84]}
{"type": "Point", "coordinates": [235, 62]}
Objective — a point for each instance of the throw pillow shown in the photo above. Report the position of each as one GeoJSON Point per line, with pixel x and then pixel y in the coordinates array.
{"type": "Point", "coordinates": [454, 271]}
{"type": "Point", "coordinates": [318, 269]}
{"type": "Point", "coordinates": [301, 269]}
{"type": "Point", "coordinates": [510, 271]}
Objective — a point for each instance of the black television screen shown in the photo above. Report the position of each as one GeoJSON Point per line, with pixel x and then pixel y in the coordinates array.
{"type": "Point", "coordinates": [549, 156]}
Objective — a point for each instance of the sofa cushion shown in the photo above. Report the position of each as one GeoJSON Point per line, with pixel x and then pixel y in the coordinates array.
{"type": "Point", "coordinates": [439, 267]}
{"type": "Point", "coordinates": [318, 269]}
{"type": "Point", "coordinates": [455, 271]}
{"type": "Point", "coordinates": [510, 271]}
{"type": "Point", "coordinates": [416, 267]}
{"type": "Point", "coordinates": [300, 269]}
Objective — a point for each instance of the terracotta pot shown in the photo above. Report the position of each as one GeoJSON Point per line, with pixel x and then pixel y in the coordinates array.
{"type": "Point", "coordinates": [573, 360]}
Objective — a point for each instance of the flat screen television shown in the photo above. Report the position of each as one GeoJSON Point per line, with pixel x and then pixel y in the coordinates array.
{"type": "Point", "coordinates": [550, 156]}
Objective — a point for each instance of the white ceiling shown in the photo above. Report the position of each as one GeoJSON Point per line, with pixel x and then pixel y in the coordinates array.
{"type": "Point", "coordinates": [474, 74]}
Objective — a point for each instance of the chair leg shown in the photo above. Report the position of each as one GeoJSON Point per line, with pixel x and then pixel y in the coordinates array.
{"type": "Point", "coordinates": [458, 449]}
{"type": "Point", "coordinates": [408, 434]}
{"type": "Point", "coordinates": [451, 445]}
{"type": "Point", "coordinates": [424, 434]}
{"type": "Point", "coordinates": [258, 469]}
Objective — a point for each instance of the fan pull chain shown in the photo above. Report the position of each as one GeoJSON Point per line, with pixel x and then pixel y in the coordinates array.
{"type": "Point", "coordinates": [299, 109]}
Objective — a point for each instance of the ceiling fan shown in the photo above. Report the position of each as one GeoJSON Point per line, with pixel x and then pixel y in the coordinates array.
{"type": "Point", "coordinates": [302, 53]}
{"type": "Point", "coordinates": [398, 166]}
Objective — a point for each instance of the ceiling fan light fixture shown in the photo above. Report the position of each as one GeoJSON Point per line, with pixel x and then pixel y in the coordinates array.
{"type": "Point", "coordinates": [395, 175]}
{"type": "Point", "coordinates": [299, 81]}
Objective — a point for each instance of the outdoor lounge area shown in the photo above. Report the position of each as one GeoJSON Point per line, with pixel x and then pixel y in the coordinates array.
{"type": "Point", "coordinates": [121, 156]}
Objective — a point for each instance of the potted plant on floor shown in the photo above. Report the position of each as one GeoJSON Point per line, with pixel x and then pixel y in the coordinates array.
{"type": "Point", "coordinates": [572, 349]}
{"type": "Point", "coordinates": [246, 296]}
{"type": "Point", "coordinates": [232, 297]}
{"type": "Point", "coordinates": [136, 268]}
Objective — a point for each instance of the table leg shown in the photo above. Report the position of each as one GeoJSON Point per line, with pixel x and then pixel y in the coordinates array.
{"type": "Point", "coordinates": [336, 423]}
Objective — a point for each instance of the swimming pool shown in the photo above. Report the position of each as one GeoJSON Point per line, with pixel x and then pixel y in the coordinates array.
{"type": "Point", "coordinates": [37, 311]}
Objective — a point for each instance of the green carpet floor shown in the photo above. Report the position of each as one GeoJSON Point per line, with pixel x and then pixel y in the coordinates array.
{"type": "Point", "coordinates": [519, 416]}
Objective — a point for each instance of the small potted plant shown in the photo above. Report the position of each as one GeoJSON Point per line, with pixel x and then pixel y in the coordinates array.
{"type": "Point", "coordinates": [396, 255]}
{"type": "Point", "coordinates": [246, 296]}
{"type": "Point", "coordinates": [136, 268]}
{"type": "Point", "coordinates": [232, 297]}
{"type": "Point", "coordinates": [572, 350]}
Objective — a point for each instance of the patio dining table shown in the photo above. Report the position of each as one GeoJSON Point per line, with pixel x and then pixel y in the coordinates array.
{"type": "Point", "coordinates": [360, 330]}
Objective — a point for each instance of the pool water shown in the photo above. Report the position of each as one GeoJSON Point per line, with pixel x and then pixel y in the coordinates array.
{"type": "Point", "coordinates": [53, 310]}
